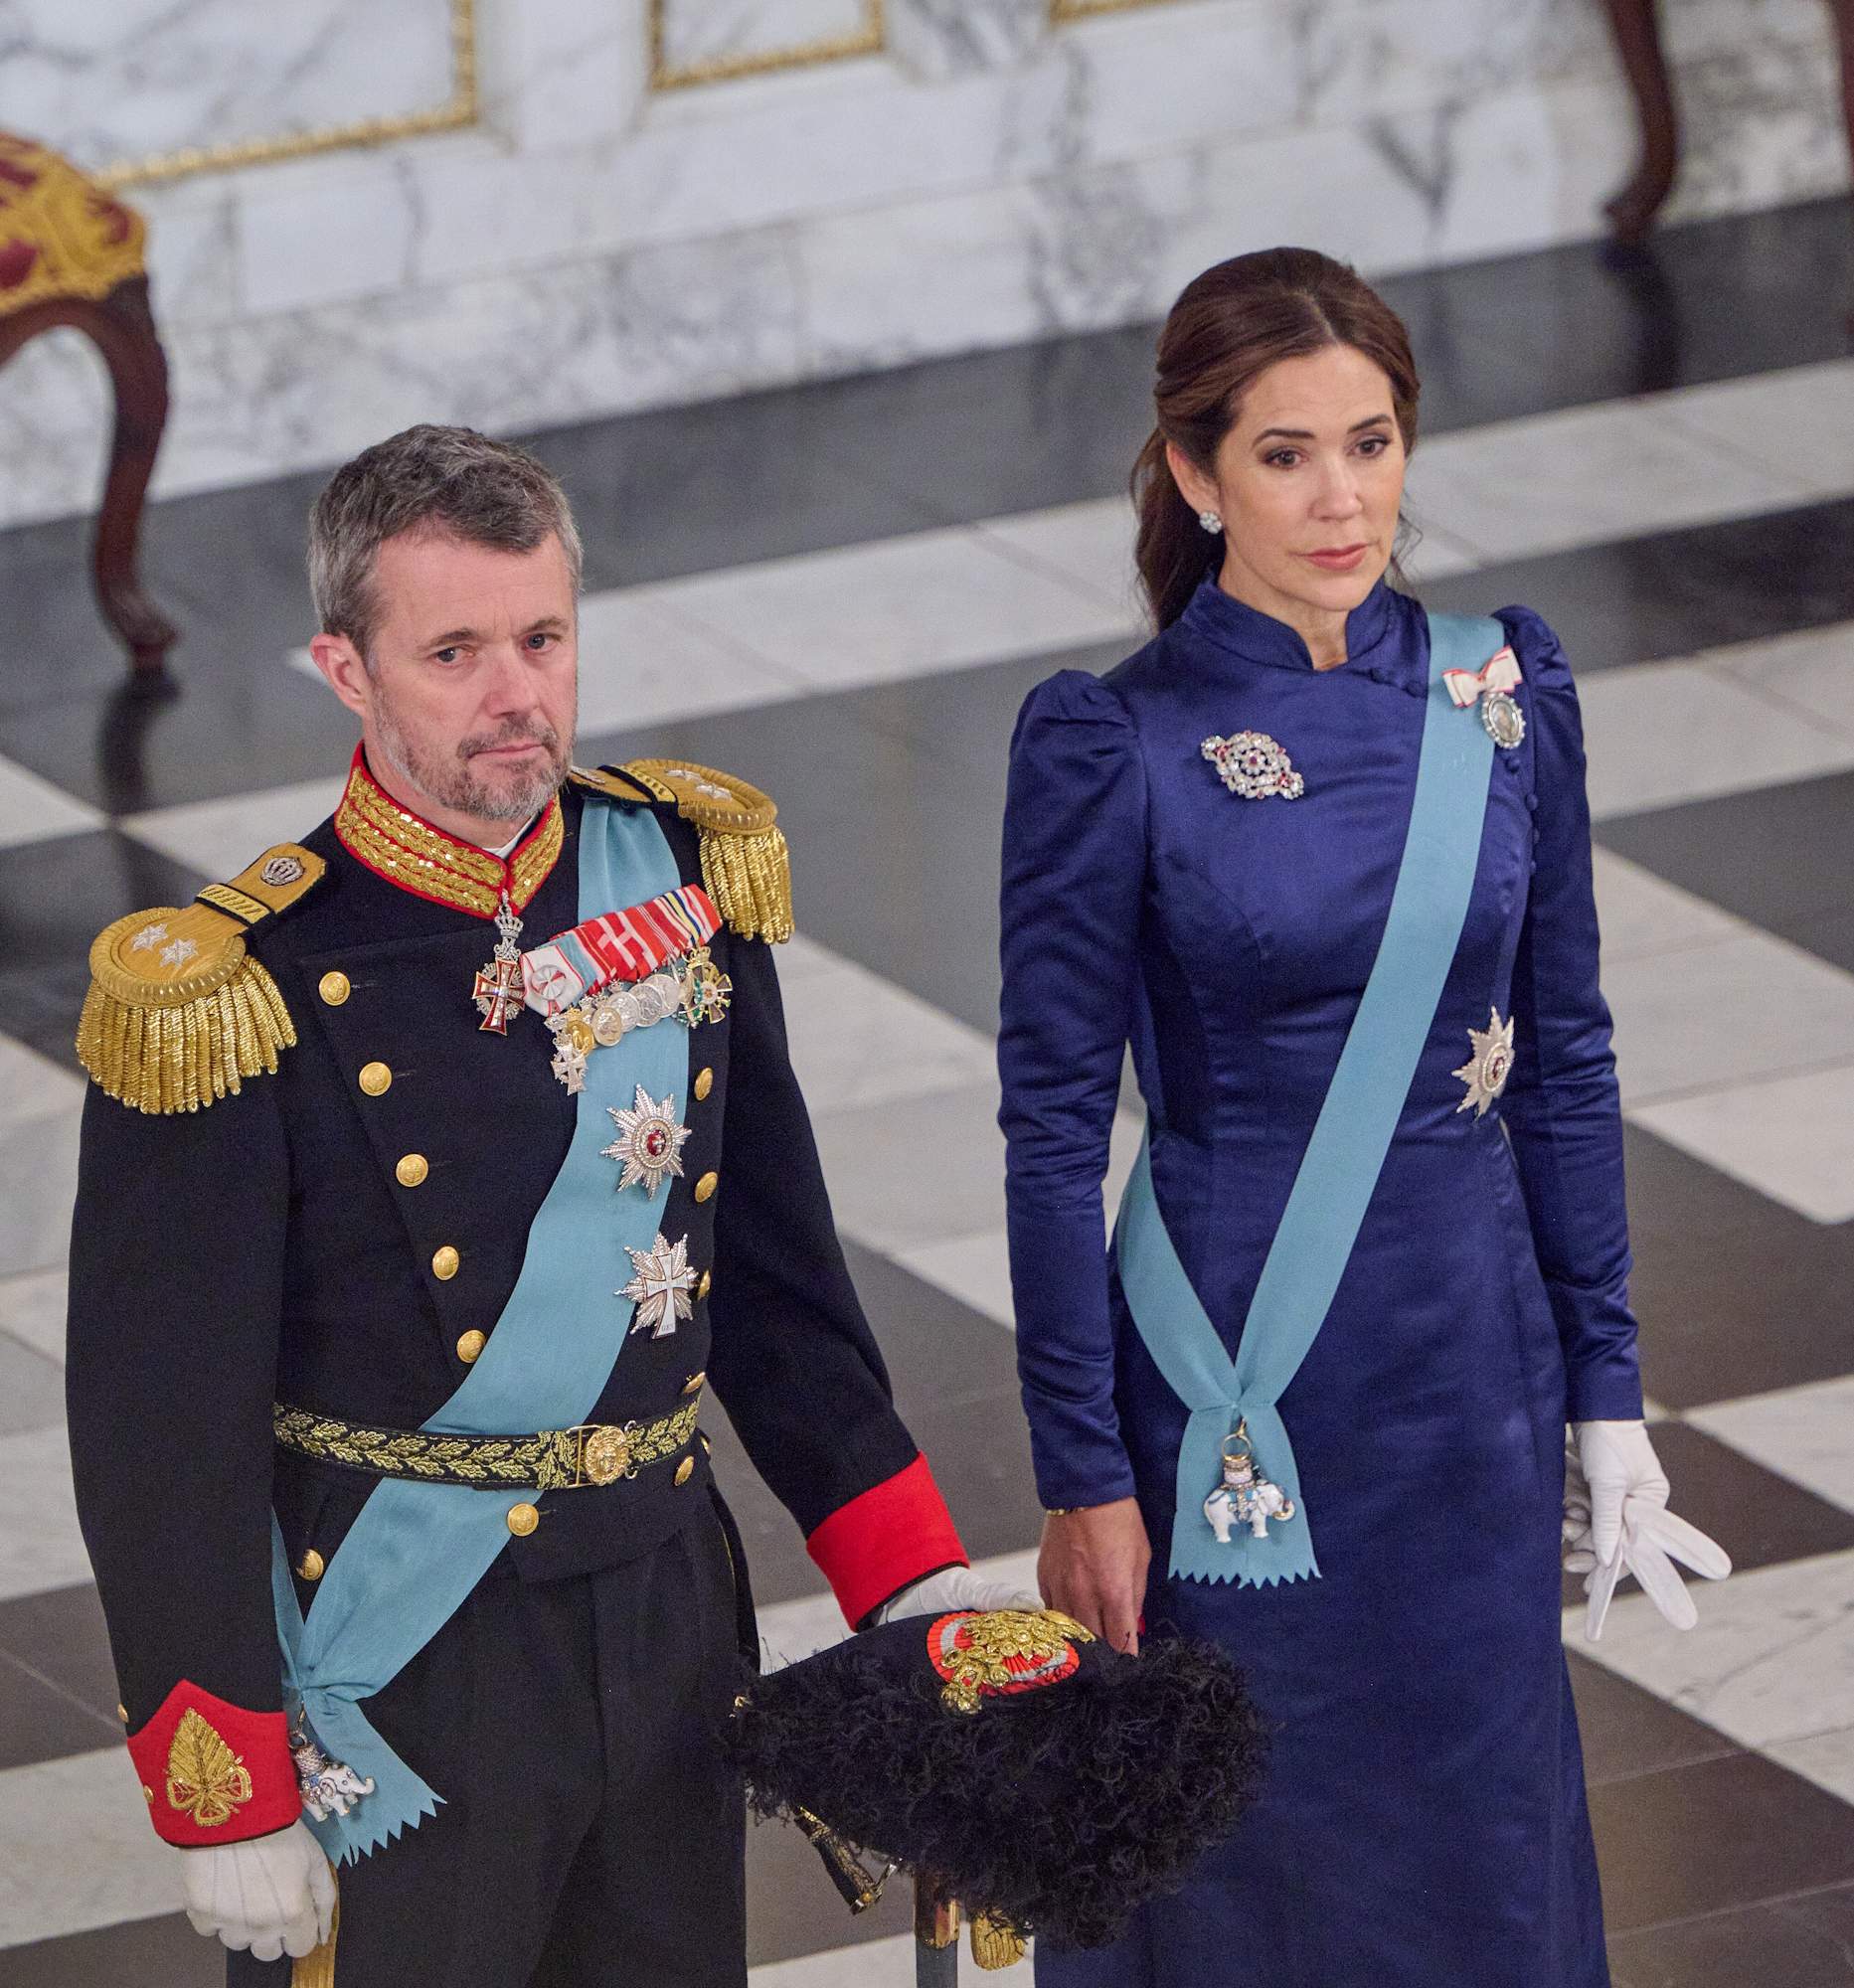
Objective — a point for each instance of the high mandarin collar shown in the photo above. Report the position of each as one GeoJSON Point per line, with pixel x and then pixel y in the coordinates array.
{"type": "Point", "coordinates": [406, 850]}
{"type": "Point", "coordinates": [1219, 618]}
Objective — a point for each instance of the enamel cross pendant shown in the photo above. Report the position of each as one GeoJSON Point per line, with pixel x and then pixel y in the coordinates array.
{"type": "Point", "coordinates": [499, 993]}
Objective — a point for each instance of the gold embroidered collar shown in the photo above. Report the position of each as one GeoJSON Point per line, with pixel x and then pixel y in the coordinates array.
{"type": "Point", "coordinates": [404, 849]}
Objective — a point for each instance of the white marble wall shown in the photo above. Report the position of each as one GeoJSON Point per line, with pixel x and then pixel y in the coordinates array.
{"type": "Point", "coordinates": [595, 244]}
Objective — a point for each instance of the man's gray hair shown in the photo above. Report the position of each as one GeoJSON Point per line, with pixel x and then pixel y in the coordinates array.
{"type": "Point", "coordinates": [450, 481]}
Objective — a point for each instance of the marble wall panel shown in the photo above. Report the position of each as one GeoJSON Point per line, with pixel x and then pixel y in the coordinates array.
{"type": "Point", "coordinates": [698, 39]}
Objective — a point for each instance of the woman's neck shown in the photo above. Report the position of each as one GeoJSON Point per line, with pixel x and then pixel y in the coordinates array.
{"type": "Point", "coordinates": [1322, 629]}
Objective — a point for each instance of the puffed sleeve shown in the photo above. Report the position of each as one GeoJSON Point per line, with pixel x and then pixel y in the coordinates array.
{"type": "Point", "coordinates": [1075, 840]}
{"type": "Point", "coordinates": [1562, 1105]}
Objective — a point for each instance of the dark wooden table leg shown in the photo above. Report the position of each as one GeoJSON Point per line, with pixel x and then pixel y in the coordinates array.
{"type": "Point", "coordinates": [1636, 28]}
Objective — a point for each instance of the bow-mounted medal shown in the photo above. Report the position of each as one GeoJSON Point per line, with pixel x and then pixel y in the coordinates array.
{"type": "Point", "coordinates": [1492, 689]}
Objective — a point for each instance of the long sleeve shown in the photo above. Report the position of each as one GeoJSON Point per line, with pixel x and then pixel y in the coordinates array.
{"type": "Point", "coordinates": [1075, 841]}
{"type": "Point", "coordinates": [1562, 1105]}
{"type": "Point", "coordinates": [176, 1297]}
{"type": "Point", "coordinates": [793, 1359]}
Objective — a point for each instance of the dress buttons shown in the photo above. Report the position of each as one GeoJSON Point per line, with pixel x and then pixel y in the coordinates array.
{"type": "Point", "coordinates": [470, 1345]}
{"type": "Point", "coordinates": [523, 1519]}
{"type": "Point", "coordinates": [312, 1565]}
{"type": "Point", "coordinates": [685, 1470]}
{"type": "Point", "coordinates": [706, 1186]}
{"type": "Point", "coordinates": [334, 989]}
{"type": "Point", "coordinates": [701, 1289]}
{"type": "Point", "coordinates": [704, 1083]}
{"type": "Point", "coordinates": [412, 1170]}
{"type": "Point", "coordinates": [444, 1263]}
{"type": "Point", "coordinates": [375, 1078]}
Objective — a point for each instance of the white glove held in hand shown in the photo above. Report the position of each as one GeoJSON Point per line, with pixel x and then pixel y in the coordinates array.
{"type": "Point", "coordinates": [1617, 1522]}
{"type": "Point", "coordinates": [273, 1894]}
{"type": "Point", "coordinates": [954, 1588]}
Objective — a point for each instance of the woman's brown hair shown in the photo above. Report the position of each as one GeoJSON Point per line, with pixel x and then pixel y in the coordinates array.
{"type": "Point", "coordinates": [1229, 327]}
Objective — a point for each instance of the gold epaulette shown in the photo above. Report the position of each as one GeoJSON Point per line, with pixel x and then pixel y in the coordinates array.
{"type": "Point", "coordinates": [178, 1012]}
{"type": "Point", "coordinates": [746, 866]}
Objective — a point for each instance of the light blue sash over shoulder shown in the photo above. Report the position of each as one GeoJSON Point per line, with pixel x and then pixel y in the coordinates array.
{"type": "Point", "coordinates": [415, 1553]}
{"type": "Point", "coordinates": [1333, 1188]}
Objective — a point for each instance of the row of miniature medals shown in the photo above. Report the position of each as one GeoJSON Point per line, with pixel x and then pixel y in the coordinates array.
{"type": "Point", "coordinates": [1255, 767]}
{"type": "Point", "coordinates": [656, 967]}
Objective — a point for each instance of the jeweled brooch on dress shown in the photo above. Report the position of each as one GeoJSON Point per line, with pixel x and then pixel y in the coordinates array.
{"type": "Point", "coordinates": [1486, 1072]}
{"type": "Point", "coordinates": [1254, 766]}
{"type": "Point", "coordinates": [649, 1142]}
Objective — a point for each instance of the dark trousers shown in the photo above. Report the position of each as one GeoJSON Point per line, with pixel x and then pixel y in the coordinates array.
{"type": "Point", "coordinates": [590, 1832]}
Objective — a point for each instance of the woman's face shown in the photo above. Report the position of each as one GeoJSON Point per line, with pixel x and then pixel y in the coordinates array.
{"type": "Point", "coordinates": [1307, 483]}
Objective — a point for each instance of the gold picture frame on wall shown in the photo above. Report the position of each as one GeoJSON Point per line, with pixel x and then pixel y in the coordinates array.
{"type": "Point", "coordinates": [1087, 10]}
{"type": "Point", "coordinates": [459, 110]}
{"type": "Point", "coordinates": [869, 38]}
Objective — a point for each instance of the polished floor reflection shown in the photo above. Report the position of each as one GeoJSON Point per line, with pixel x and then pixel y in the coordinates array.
{"type": "Point", "coordinates": [843, 593]}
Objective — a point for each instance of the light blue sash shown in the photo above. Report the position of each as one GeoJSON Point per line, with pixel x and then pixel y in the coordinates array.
{"type": "Point", "coordinates": [1333, 1189]}
{"type": "Point", "coordinates": [415, 1553]}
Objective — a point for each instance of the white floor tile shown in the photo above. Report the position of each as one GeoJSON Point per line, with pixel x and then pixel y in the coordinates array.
{"type": "Point", "coordinates": [642, 663]}
{"type": "Point", "coordinates": [1792, 1138]}
{"type": "Point", "coordinates": [219, 838]}
{"type": "Point", "coordinates": [1810, 670]}
{"type": "Point", "coordinates": [1436, 556]}
{"type": "Point", "coordinates": [1090, 546]}
{"type": "Point", "coordinates": [1797, 424]}
{"type": "Point", "coordinates": [1659, 734]}
{"type": "Point", "coordinates": [876, 1963]}
{"type": "Point", "coordinates": [1771, 1659]}
{"type": "Point", "coordinates": [34, 1087]}
{"type": "Point", "coordinates": [38, 1182]}
{"type": "Point", "coordinates": [919, 1170]}
{"type": "Point", "coordinates": [1740, 1009]}
{"type": "Point", "coordinates": [1827, 1759]}
{"type": "Point", "coordinates": [976, 1269]}
{"type": "Point", "coordinates": [40, 1544]}
{"type": "Point", "coordinates": [76, 1851]}
{"type": "Point", "coordinates": [33, 810]}
{"type": "Point", "coordinates": [1642, 916]}
{"type": "Point", "coordinates": [32, 1310]}
{"type": "Point", "coordinates": [1803, 1433]}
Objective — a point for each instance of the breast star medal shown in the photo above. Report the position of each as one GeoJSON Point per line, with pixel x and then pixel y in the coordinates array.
{"type": "Point", "coordinates": [1486, 1072]}
{"type": "Point", "coordinates": [500, 993]}
{"type": "Point", "coordinates": [649, 1142]}
{"type": "Point", "coordinates": [1253, 767]}
{"type": "Point", "coordinates": [661, 1287]}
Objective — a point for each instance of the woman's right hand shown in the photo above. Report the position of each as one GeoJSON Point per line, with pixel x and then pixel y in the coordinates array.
{"type": "Point", "coordinates": [1092, 1567]}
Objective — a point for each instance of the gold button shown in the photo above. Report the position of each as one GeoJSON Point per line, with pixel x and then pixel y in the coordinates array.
{"type": "Point", "coordinates": [701, 1289]}
{"type": "Point", "coordinates": [122, 1712]}
{"type": "Point", "coordinates": [685, 1470]}
{"type": "Point", "coordinates": [704, 1084]}
{"type": "Point", "coordinates": [311, 1564]}
{"type": "Point", "coordinates": [693, 1384]}
{"type": "Point", "coordinates": [706, 1186]}
{"type": "Point", "coordinates": [412, 1170]}
{"type": "Point", "coordinates": [444, 1263]}
{"type": "Point", "coordinates": [470, 1345]}
{"type": "Point", "coordinates": [375, 1079]}
{"type": "Point", "coordinates": [334, 989]}
{"type": "Point", "coordinates": [523, 1519]}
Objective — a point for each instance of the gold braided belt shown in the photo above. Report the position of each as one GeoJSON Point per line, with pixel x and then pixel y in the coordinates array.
{"type": "Point", "coordinates": [594, 1453]}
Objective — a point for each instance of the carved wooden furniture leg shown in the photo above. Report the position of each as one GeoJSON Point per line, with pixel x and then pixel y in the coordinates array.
{"type": "Point", "coordinates": [1636, 28]}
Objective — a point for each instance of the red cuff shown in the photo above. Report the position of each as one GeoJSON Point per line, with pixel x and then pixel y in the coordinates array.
{"type": "Point", "coordinates": [895, 1533]}
{"type": "Point", "coordinates": [212, 1772]}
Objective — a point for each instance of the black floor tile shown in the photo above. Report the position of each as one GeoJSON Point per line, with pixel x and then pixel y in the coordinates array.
{"type": "Point", "coordinates": [1801, 1943]}
{"type": "Point", "coordinates": [1736, 1294]}
{"type": "Point", "coordinates": [38, 1722]}
{"type": "Point", "coordinates": [57, 1635]}
{"type": "Point", "coordinates": [1627, 1730]}
{"type": "Point", "coordinates": [1715, 1836]}
{"type": "Point", "coordinates": [141, 1953]}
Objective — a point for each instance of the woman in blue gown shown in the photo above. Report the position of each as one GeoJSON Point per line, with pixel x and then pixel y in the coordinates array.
{"type": "Point", "coordinates": [1425, 1820]}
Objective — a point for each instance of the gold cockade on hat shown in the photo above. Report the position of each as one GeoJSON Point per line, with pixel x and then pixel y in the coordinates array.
{"type": "Point", "coordinates": [178, 1012]}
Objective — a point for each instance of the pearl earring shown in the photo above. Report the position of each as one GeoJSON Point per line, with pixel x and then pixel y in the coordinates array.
{"type": "Point", "coordinates": [1210, 521]}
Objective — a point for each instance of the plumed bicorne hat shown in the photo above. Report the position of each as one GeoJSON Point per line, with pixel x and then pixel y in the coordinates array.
{"type": "Point", "coordinates": [1047, 1783]}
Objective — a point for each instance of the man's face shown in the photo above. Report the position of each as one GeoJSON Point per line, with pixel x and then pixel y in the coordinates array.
{"type": "Point", "coordinates": [468, 696]}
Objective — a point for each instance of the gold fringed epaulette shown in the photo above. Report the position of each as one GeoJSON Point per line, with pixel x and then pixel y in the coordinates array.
{"type": "Point", "coordinates": [178, 1012]}
{"type": "Point", "coordinates": [746, 866]}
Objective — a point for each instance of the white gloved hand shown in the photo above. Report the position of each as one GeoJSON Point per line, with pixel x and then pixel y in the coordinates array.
{"type": "Point", "coordinates": [273, 1894]}
{"type": "Point", "coordinates": [953, 1588]}
{"type": "Point", "coordinates": [1617, 1522]}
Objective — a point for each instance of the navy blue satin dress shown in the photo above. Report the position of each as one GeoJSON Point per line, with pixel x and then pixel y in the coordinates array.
{"type": "Point", "coordinates": [1424, 1821]}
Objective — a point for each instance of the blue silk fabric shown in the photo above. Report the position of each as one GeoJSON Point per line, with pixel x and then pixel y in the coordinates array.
{"type": "Point", "coordinates": [1424, 1819]}
{"type": "Point", "coordinates": [415, 1552]}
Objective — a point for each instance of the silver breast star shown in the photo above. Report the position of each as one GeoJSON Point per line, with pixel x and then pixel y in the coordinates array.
{"type": "Point", "coordinates": [660, 1290]}
{"type": "Point", "coordinates": [649, 1142]}
{"type": "Point", "coordinates": [1486, 1072]}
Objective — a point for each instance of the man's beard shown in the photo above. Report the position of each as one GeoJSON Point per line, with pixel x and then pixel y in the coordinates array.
{"type": "Point", "coordinates": [454, 782]}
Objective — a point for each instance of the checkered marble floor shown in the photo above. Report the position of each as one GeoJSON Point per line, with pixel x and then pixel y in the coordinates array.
{"type": "Point", "coordinates": [843, 593]}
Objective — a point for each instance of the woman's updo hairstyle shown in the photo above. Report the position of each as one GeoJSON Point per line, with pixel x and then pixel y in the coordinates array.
{"type": "Point", "coordinates": [1228, 328]}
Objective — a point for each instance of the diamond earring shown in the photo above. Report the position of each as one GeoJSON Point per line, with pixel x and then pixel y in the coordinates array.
{"type": "Point", "coordinates": [1210, 522]}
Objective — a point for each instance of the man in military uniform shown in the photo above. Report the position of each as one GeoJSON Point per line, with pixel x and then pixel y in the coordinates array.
{"type": "Point", "coordinates": [432, 1170]}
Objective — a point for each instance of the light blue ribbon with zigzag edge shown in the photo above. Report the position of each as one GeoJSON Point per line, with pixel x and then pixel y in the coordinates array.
{"type": "Point", "coordinates": [1339, 1171]}
{"type": "Point", "coordinates": [415, 1553]}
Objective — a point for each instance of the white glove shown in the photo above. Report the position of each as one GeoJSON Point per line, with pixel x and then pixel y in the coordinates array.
{"type": "Point", "coordinates": [1617, 1522]}
{"type": "Point", "coordinates": [953, 1588]}
{"type": "Point", "coordinates": [273, 1893]}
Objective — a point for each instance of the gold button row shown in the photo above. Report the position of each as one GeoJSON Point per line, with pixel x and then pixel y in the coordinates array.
{"type": "Point", "coordinates": [470, 1345]}
{"type": "Point", "coordinates": [704, 1084]}
{"type": "Point", "coordinates": [375, 1078]}
{"type": "Point", "coordinates": [334, 989]}
{"type": "Point", "coordinates": [412, 1170]}
{"type": "Point", "coordinates": [701, 1289]}
{"type": "Point", "coordinates": [706, 1186]}
{"type": "Point", "coordinates": [312, 1565]}
{"type": "Point", "coordinates": [523, 1519]}
{"type": "Point", "coordinates": [444, 1262]}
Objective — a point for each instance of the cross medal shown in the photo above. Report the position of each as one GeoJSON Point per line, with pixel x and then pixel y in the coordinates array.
{"type": "Point", "coordinates": [498, 992]}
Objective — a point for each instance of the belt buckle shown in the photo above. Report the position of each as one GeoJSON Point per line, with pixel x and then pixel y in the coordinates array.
{"type": "Point", "coordinates": [601, 1454]}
